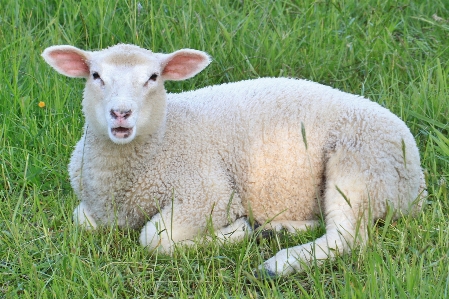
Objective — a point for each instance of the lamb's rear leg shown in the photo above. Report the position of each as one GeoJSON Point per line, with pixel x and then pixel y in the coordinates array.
{"type": "Point", "coordinates": [345, 223]}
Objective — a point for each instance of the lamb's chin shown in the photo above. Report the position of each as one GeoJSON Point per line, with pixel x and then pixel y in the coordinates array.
{"type": "Point", "coordinates": [122, 135]}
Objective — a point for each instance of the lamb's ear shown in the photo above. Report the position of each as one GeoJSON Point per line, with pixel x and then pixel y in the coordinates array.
{"type": "Point", "coordinates": [183, 64]}
{"type": "Point", "coordinates": [68, 60]}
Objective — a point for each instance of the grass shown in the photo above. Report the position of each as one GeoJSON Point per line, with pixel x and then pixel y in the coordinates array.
{"type": "Point", "coordinates": [396, 53]}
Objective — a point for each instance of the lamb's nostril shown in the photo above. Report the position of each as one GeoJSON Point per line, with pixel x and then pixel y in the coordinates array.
{"type": "Point", "coordinates": [117, 113]}
{"type": "Point", "coordinates": [127, 114]}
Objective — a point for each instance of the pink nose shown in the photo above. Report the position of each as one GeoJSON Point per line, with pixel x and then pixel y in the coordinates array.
{"type": "Point", "coordinates": [117, 113]}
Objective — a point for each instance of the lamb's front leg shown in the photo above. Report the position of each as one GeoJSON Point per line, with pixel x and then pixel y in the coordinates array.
{"type": "Point", "coordinates": [164, 230]}
{"type": "Point", "coordinates": [83, 217]}
{"type": "Point", "coordinates": [235, 231]}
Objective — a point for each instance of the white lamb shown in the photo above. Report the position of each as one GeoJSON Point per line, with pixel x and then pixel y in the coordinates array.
{"type": "Point", "coordinates": [282, 150]}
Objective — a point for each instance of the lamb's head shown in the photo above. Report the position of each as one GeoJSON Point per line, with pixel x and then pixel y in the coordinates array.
{"type": "Point", "coordinates": [124, 95]}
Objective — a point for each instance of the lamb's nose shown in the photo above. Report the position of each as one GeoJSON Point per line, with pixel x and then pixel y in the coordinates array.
{"type": "Point", "coordinates": [118, 113]}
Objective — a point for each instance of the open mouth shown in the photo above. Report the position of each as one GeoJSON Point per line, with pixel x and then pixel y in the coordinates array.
{"type": "Point", "coordinates": [121, 132]}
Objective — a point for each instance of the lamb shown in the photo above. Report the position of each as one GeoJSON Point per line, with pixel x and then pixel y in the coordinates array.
{"type": "Point", "coordinates": [282, 150]}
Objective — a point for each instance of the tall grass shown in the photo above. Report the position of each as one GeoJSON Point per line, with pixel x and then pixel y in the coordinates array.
{"type": "Point", "coordinates": [393, 52]}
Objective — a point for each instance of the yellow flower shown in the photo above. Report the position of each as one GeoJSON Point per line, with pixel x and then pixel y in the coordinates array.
{"type": "Point", "coordinates": [41, 104]}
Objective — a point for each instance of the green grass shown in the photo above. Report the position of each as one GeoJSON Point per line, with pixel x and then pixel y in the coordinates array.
{"type": "Point", "coordinates": [393, 52]}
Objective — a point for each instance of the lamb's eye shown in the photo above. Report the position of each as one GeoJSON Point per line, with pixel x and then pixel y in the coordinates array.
{"type": "Point", "coordinates": [95, 75]}
{"type": "Point", "coordinates": [153, 77]}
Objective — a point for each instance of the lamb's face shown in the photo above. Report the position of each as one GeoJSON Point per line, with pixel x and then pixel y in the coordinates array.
{"type": "Point", "coordinates": [124, 95]}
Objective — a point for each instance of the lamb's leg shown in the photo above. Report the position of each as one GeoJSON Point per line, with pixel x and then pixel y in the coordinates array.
{"type": "Point", "coordinates": [235, 231]}
{"type": "Point", "coordinates": [240, 228]}
{"type": "Point", "coordinates": [163, 231]}
{"type": "Point", "coordinates": [82, 217]}
{"type": "Point", "coordinates": [345, 223]}
{"type": "Point", "coordinates": [290, 226]}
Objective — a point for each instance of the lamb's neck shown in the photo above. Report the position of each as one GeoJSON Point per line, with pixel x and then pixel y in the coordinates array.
{"type": "Point", "coordinates": [145, 147]}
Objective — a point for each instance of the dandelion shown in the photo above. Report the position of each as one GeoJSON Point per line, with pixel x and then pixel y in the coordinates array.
{"type": "Point", "coordinates": [41, 104]}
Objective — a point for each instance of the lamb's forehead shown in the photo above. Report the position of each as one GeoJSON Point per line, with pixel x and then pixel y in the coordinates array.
{"type": "Point", "coordinates": [125, 55]}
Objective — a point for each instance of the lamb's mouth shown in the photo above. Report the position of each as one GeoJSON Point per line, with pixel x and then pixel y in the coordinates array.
{"type": "Point", "coordinates": [121, 132]}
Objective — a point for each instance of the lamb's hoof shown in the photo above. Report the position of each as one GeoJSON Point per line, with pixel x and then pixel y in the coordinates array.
{"type": "Point", "coordinates": [262, 232]}
{"type": "Point", "coordinates": [264, 274]}
{"type": "Point", "coordinates": [267, 234]}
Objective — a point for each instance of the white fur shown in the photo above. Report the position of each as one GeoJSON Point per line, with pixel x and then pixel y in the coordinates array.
{"type": "Point", "coordinates": [236, 231]}
{"type": "Point", "coordinates": [282, 150]}
{"type": "Point", "coordinates": [82, 217]}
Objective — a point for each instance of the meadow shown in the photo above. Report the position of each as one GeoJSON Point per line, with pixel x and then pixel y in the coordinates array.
{"type": "Point", "coordinates": [393, 52]}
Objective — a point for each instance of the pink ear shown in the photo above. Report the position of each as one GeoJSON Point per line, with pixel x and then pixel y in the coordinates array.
{"type": "Point", "coordinates": [67, 60]}
{"type": "Point", "coordinates": [184, 64]}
